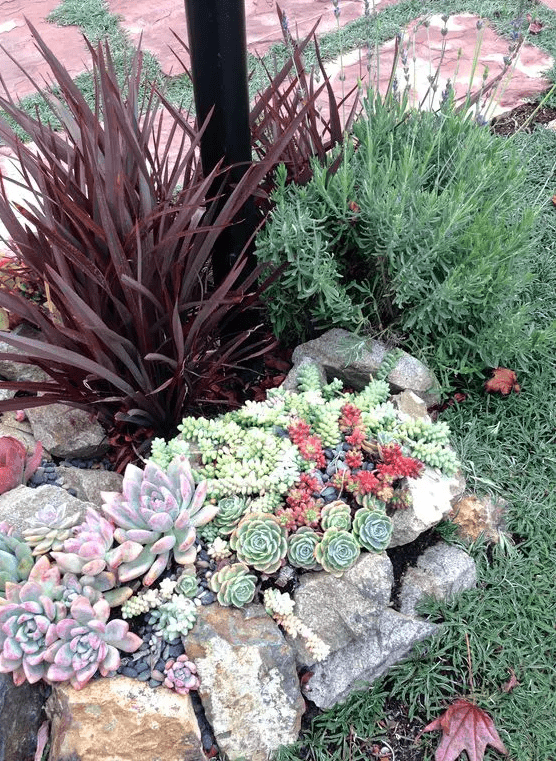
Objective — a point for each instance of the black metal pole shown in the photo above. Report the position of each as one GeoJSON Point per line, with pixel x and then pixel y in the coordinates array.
{"type": "Point", "coordinates": [218, 48]}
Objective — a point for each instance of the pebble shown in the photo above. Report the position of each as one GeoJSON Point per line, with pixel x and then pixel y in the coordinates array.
{"type": "Point", "coordinates": [331, 469]}
{"type": "Point", "coordinates": [144, 676]}
{"type": "Point", "coordinates": [154, 682]}
{"type": "Point", "coordinates": [207, 598]}
{"type": "Point", "coordinates": [329, 453]}
{"type": "Point", "coordinates": [157, 675]}
{"type": "Point", "coordinates": [329, 494]}
{"type": "Point", "coordinates": [160, 664]}
{"type": "Point", "coordinates": [141, 666]}
{"type": "Point", "coordinates": [202, 564]}
{"type": "Point", "coordinates": [175, 650]}
{"type": "Point", "coordinates": [128, 671]}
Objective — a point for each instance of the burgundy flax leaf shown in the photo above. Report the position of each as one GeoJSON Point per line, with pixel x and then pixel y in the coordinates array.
{"type": "Point", "coordinates": [465, 727]}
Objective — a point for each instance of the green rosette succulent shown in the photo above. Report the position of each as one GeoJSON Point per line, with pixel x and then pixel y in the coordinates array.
{"type": "Point", "coordinates": [234, 585]}
{"type": "Point", "coordinates": [301, 548]}
{"type": "Point", "coordinates": [187, 585]}
{"type": "Point", "coordinates": [230, 511]}
{"type": "Point", "coordinates": [337, 551]}
{"type": "Point", "coordinates": [16, 558]}
{"type": "Point", "coordinates": [49, 529]}
{"type": "Point", "coordinates": [336, 515]}
{"type": "Point", "coordinates": [260, 542]}
{"type": "Point", "coordinates": [160, 511]}
{"type": "Point", "coordinates": [174, 618]}
{"type": "Point", "coordinates": [87, 642]}
{"type": "Point", "coordinates": [28, 619]}
{"type": "Point", "coordinates": [372, 529]}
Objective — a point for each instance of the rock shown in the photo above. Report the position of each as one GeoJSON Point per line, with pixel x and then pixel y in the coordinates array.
{"type": "Point", "coordinates": [89, 483]}
{"type": "Point", "coordinates": [353, 359]}
{"type": "Point", "coordinates": [442, 571]}
{"type": "Point", "coordinates": [9, 426]}
{"type": "Point", "coordinates": [23, 502]}
{"type": "Point", "coordinates": [249, 686]}
{"type": "Point", "coordinates": [410, 404]}
{"type": "Point", "coordinates": [12, 370]}
{"type": "Point", "coordinates": [20, 718]}
{"type": "Point", "coordinates": [67, 432]}
{"type": "Point", "coordinates": [476, 516]}
{"type": "Point", "coordinates": [340, 610]}
{"type": "Point", "coordinates": [388, 641]}
{"type": "Point", "coordinates": [432, 495]}
{"type": "Point", "coordinates": [121, 719]}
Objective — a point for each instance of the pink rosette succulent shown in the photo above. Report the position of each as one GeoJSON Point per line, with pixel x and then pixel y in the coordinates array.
{"type": "Point", "coordinates": [180, 674]}
{"type": "Point", "coordinates": [86, 642]}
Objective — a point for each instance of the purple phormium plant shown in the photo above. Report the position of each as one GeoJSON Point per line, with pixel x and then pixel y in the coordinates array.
{"type": "Point", "coordinates": [86, 642]}
{"type": "Point", "coordinates": [160, 511]}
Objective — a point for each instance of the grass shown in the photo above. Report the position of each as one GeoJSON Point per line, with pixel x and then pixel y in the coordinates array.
{"type": "Point", "coordinates": [507, 445]}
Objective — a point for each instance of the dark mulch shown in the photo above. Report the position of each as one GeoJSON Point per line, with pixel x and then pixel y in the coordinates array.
{"type": "Point", "coordinates": [394, 738]}
{"type": "Point", "coordinates": [510, 122]}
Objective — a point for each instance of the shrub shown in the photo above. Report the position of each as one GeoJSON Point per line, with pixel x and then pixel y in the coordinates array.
{"type": "Point", "coordinates": [419, 230]}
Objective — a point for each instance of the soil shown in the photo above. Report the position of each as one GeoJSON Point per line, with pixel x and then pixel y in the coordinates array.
{"type": "Point", "coordinates": [507, 124]}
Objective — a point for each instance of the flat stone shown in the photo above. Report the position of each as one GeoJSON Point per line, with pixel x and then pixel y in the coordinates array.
{"type": "Point", "coordinates": [20, 718]}
{"type": "Point", "coordinates": [432, 496]}
{"type": "Point", "coordinates": [442, 571]}
{"type": "Point", "coordinates": [249, 686]}
{"type": "Point", "coordinates": [12, 370]}
{"type": "Point", "coordinates": [364, 660]}
{"type": "Point", "coordinates": [89, 483]}
{"type": "Point", "coordinates": [21, 432]}
{"type": "Point", "coordinates": [340, 610]}
{"type": "Point", "coordinates": [475, 516]}
{"type": "Point", "coordinates": [353, 359]}
{"type": "Point", "coordinates": [23, 502]}
{"type": "Point", "coordinates": [410, 404]}
{"type": "Point", "coordinates": [122, 719]}
{"type": "Point", "coordinates": [67, 432]}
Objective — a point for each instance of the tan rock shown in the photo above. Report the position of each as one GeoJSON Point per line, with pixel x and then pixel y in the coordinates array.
{"type": "Point", "coordinates": [67, 432]}
{"type": "Point", "coordinates": [89, 484]}
{"type": "Point", "coordinates": [122, 719]}
{"type": "Point", "coordinates": [476, 516]}
{"type": "Point", "coordinates": [410, 404]}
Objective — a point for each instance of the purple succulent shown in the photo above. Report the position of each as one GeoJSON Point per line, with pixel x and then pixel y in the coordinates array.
{"type": "Point", "coordinates": [86, 642]}
{"type": "Point", "coordinates": [181, 675]}
{"type": "Point", "coordinates": [159, 510]}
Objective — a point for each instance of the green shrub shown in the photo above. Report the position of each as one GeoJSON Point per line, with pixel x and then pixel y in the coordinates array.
{"type": "Point", "coordinates": [419, 229]}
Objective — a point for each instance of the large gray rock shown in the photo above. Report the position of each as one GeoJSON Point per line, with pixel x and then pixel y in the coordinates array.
{"type": "Point", "coordinates": [67, 432]}
{"type": "Point", "coordinates": [388, 641]}
{"type": "Point", "coordinates": [353, 359]}
{"type": "Point", "coordinates": [249, 686]}
{"type": "Point", "coordinates": [88, 484]}
{"type": "Point", "coordinates": [341, 610]}
{"type": "Point", "coordinates": [432, 496]}
{"type": "Point", "coordinates": [442, 571]}
{"type": "Point", "coordinates": [23, 502]}
{"type": "Point", "coordinates": [11, 369]}
{"type": "Point", "coordinates": [121, 719]}
{"type": "Point", "coordinates": [20, 718]}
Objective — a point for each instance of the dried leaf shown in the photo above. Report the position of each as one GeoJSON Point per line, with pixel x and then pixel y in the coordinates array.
{"type": "Point", "coordinates": [511, 683]}
{"type": "Point", "coordinates": [467, 728]}
{"type": "Point", "coordinates": [503, 381]}
{"type": "Point", "coordinates": [535, 25]}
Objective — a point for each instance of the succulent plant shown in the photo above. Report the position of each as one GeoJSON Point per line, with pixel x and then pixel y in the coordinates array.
{"type": "Point", "coordinates": [301, 548]}
{"type": "Point", "coordinates": [187, 585]}
{"type": "Point", "coordinates": [234, 585]}
{"type": "Point", "coordinates": [28, 619]}
{"type": "Point", "coordinates": [337, 514]}
{"type": "Point", "coordinates": [279, 605]}
{"type": "Point", "coordinates": [372, 529]}
{"type": "Point", "coordinates": [219, 549]}
{"type": "Point", "coordinates": [230, 512]}
{"type": "Point", "coordinates": [86, 642]}
{"type": "Point", "coordinates": [141, 603]}
{"type": "Point", "coordinates": [180, 674]}
{"type": "Point", "coordinates": [260, 541]}
{"type": "Point", "coordinates": [16, 558]}
{"type": "Point", "coordinates": [49, 529]}
{"type": "Point", "coordinates": [174, 618]}
{"type": "Point", "coordinates": [15, 465]}
{"type": "Point", "coordinates": [337, 551]}
{"type": "Point", "coordinates": [160, 511]}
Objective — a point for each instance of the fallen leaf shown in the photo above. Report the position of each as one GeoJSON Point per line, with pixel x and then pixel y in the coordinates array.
{"type": "Point", "coordinates": [503, 381]}
{"type": "Point", "coordinates": [511, 683]}
{"type": "Point", "coordinates": [42, 739]}
{"type": "Point", "coordinates": [554, 200]}
{"type": "Point", "coordinates": [467, 728]}
{"type": "Point", "coordinates": [535, 25]}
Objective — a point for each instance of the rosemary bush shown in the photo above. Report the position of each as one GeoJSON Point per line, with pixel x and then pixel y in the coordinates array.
{"type": "Point", "coordinates": [420, 230]}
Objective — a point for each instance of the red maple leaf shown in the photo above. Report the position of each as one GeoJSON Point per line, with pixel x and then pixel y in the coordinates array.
{"type": "Point", "coordinates": [503, 381]}
{"type": "Point", "coordinates": [467, 728]}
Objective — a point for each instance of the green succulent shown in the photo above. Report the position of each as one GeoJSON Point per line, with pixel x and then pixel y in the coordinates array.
{"type": "Point", "coordinates": [174, 618]}
{"type": "Point", "coordinates": [16, 558]}
{"type": "Point", "coordinates": [336, 514]}
{"type": "Point", "coordinates": [337, 551]}
{"type": "Point", "coordinates": [372, 529]}
{"type": "Point", "coordinates": [309, 377]}
{"type": "Point", "coordinates": [260, 541]}
{"type": "Point", "coordinates": [301, 548]}
{"type": "Point", "coordinates": [187, 585]}
{"type": "Point", "coordinates": [230, 511]}
{"type": "Point", "coordinates": [49, 529]}
{"type": "Point", "coordinates": [234, 585]}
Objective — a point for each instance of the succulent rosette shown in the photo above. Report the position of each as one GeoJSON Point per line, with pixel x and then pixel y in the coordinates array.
{"type": "Point", "coordinates": [160, 511]}
{"type": "Point", "coordinates": [16, 558]}
{"type": "Point", "coordinates": [301, 548]}
{"type": "Point", "coordinates": [234, 585]}
{"type": "Point", "coordinates": [181, 675]}
{"type": "Point", "coordinates": [337, 551]}
{"type": "Point", "coordinates": [337, 514]}
{"type": "Point", "coordinates": [49, 529]}
{"type": "Point", "coordinates": [260, 541]}
{"type": "Point", "coordinates": [187, 585]}
{"type": "Point", "coordinates": [86, 642]}
{"type": "Point", "coordinates": [372, 529]}
{"type": "Point", "coordinates": [28, 619]}
{"type": "Point", "coordinates": [230, 511]}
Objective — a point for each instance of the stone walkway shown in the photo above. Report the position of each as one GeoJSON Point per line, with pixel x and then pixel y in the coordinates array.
{"type": "Point", "coordinates": [155, 21]}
